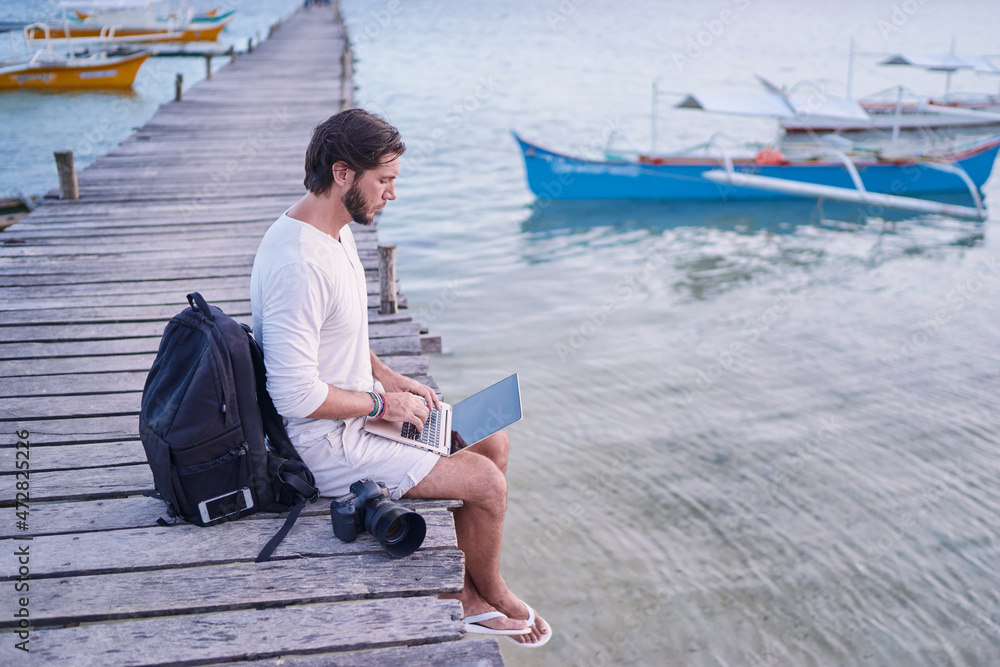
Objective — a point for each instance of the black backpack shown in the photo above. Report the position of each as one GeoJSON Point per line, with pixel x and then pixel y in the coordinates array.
{"type": "Point", "coordinates": [203, 421]}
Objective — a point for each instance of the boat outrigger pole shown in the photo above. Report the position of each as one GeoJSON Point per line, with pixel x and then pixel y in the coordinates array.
{"type": "Point", "coordinates": [859, 195]}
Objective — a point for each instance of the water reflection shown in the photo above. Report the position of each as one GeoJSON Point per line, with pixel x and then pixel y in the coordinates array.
{"type": "Point", "coordinates": [549, 217]}
{"type": "Point", "coordinates": [704, 250]}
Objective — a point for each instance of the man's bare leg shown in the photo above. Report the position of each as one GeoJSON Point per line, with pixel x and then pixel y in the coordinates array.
{"type": "Point", "coordinates": [496, 448]}
{"type": "Point", "coordinates": [477, 479]}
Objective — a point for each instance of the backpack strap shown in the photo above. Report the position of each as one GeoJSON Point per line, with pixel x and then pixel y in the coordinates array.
{"type": "Point", "coordinates": [274, 427]}
{"type": "Point", "coordinates": [293, 474]}
{"type": "Point", "coordinates": [298, 477]}
{"type": "Point", "coordinates": [293, 514]}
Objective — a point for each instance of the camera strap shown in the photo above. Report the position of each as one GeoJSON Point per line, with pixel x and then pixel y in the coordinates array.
{"type": "Point", "coordinates": [293, 514]}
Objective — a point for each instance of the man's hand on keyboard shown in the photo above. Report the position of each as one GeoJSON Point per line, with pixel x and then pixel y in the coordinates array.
{"type": "Point", "coordinates": [405, 407]}
{"type": "Point", "coordinates": [394, 382]}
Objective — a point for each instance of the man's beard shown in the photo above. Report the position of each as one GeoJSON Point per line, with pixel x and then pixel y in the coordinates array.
{"type": "Point", "coordinates": [356, 205]}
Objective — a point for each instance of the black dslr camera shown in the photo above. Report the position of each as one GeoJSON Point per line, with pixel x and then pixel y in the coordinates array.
{"type": "Point", "coordinates": [400, 531]}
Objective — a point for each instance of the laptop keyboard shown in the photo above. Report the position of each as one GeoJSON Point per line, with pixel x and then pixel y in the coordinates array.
{"type": "Point", "coordinates": [431, 432]}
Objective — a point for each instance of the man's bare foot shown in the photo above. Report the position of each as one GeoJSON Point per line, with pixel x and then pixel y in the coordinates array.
{"type": "Point", "coordinates": [538, 631]}
{"type": "Point", "coordinates": [516, 609]}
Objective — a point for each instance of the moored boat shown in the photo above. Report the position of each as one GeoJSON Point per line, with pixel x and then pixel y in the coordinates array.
{"type": "Point", "coordinates": [210, 16]}
{"type": "Point", "coordinates": [898, 109]}
{"type": "Point", "coordinates": [913, 113]}
{"type": "Point", "coordinates": [149, 20]}
{"type": "Point", "coordinates": [888, 181]}
{"type": "Point", "coordinates": [48, 71]}
{"type": "Point", "coordinates": [192, 32]}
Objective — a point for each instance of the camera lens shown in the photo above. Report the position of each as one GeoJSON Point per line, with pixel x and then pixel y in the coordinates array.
{"type": "Point", "coordinates": [395, 532]}
{"type": "Point", "coordinates": [400, 531]}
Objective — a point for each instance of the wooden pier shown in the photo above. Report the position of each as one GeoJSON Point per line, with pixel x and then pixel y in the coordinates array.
{"type": "Point", "coordinates": [86, 287]}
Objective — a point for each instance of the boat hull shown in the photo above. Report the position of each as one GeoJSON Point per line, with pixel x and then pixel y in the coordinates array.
{"type": "Point", "coordinates": [118, 72]}
{"type": "Point", "coordinates": [195, 32]}
{"type": "Point", "coordinates": [553, 175]}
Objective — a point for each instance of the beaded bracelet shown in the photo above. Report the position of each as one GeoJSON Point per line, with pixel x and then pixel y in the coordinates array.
{"type": "Point", "coordinates": [381, 411]}
{"type": "Point", "coordinates": [379, 405]}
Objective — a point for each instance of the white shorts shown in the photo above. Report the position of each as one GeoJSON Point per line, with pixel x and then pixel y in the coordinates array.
{"type": "Point", "coordinates": [346, 455]}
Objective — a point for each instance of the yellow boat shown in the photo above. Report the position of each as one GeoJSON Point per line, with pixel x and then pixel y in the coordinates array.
{"type": "Point", "coordinates": [49, 72]}
{"type": "Point", "coordinates": [211, 15]}
{"type": "Point", "coordinates": [192, 32]}
{"type": "Point", "coordinates": [145, 20]}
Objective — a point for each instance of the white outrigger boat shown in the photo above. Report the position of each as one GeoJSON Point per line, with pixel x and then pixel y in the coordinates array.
{"type": "Point", "coordinates": [140, 20]}
{"type": "Point", "coordinates": [899, 109]}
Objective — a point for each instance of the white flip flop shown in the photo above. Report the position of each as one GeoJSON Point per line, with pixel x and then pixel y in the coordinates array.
{"type": "Point", "coordinates": [472, 624]}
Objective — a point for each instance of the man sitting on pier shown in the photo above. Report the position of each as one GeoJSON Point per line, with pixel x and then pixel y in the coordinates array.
{"type": "Point", "coordinates": [309, 301]}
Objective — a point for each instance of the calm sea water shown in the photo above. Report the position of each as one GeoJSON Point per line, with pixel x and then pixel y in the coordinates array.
{"type": "Point", "coordinates": [754, 434]}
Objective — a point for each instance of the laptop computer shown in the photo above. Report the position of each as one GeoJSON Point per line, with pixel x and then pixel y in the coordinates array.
{"type": "Point", "coordinates": [455, 427]}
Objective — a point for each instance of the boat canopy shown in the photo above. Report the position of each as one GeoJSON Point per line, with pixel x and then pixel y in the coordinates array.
{"type": "Point", "coordinates": [775, 105]}
{"type": "Point", "coordinates": [739, 104]}
{"type": "Point", "coordinates": [943, 62]}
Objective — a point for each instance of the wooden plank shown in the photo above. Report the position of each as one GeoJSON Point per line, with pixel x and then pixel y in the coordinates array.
{"type": "Point", "coordinates": [89, 516]}
{"type": "Point", "coordinates": [236, 247]}
{"type": "Point", "coordinates": [129, 269]}
{"type": "Point", "coordinates": [71, 430]}
{"type": "Point", "coordinates": [73, 457]}
{"type": "Point", "coordinates": [89, 349]}
{"type": "Point", "coordinates": [60, 232]}
{"type": "Point", "coordinates": [60, 517]}
{"type": "Point", "coordinates": [234, 303]}
{"type": "Point", "coordinates": [68, 385]}
{"type": "Point", "coordinates": [55, 333]}
{"type": "Point", "coordinates": [26, 409]}
{"type": "Point", "coordinates": [34, 365]}
{"type": "Point", "coordinates": [21, 337]}
{"type": "Point", "coordinates": [408, 365]}
{"type": "Point", "coordinates": [234, 586]}
{"type": "Point", "coordinates": [257, 208]}
{"type": "Point", "coordinates": [42, 366]}
{"type": "Point", "coordinates": [80, 484]}
{"type": "Point", "coordinates": [129, 338]}
{"type": "Point", "coordinates": [62, 376]}
{"type": "Point", "coordinates": [67, 234]}
{"type": "Point", "coordinates": [123, 277]}
{"type": "Point", "coordinates": [88, 304]}
{"type": "Point", "coordinates": [478, 652]}
{"type": "Point", "coordinates": [251, 634]}
{"type": "Point", "coordinates": [187, 545]}
{"type": "Point", "coordinates": [128, 293]}
{"type": "Point", "coordinates": [481, 652]}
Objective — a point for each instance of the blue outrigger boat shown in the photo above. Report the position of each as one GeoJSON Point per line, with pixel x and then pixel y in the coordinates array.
{"type": "Point", "coordinates": [896, 182]}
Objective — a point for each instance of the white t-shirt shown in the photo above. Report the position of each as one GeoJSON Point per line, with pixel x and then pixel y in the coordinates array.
{"type": "Point", "coordinates": [310, 305]}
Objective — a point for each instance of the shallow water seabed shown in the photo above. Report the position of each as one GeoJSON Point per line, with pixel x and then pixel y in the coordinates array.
{"type": "Point", "coordinates": [753, 434]}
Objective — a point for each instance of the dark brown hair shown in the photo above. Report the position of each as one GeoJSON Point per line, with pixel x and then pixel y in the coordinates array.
{"type": "Point", "coordinates": [355, 136]}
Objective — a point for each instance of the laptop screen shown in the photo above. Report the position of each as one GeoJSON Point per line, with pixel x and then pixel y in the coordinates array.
{"type": "Point", "coordinates": [483, 414]}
